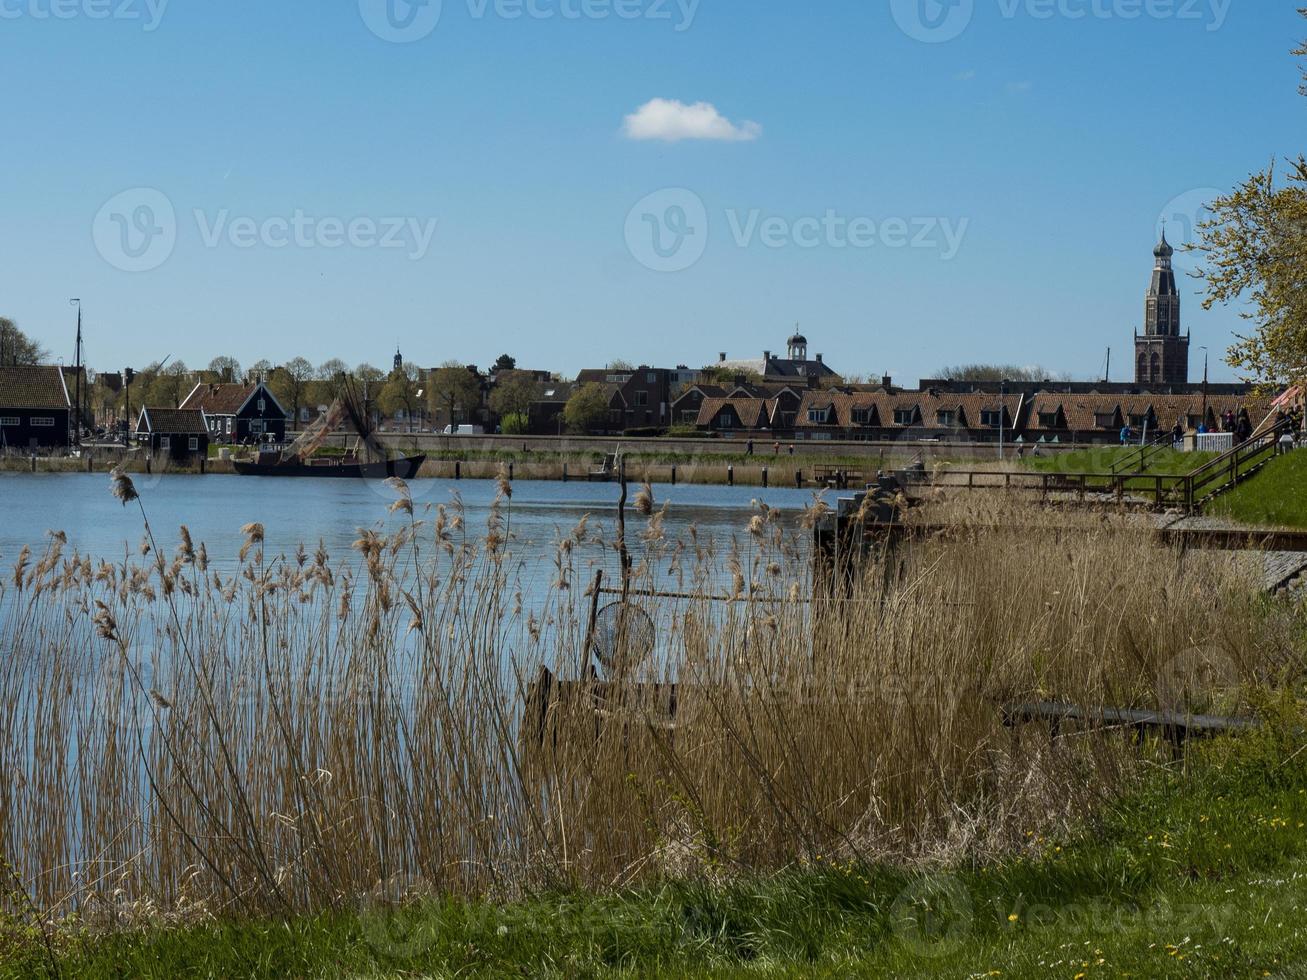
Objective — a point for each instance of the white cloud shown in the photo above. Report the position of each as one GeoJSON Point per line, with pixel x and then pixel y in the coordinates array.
{"type": "Point", "coordinates": [965, 76]}
{"type": "Point", "coordinates": [672, 121]}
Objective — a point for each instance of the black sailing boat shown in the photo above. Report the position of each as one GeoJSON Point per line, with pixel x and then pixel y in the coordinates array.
{"type": "Point", "coordinates": [368, 460]}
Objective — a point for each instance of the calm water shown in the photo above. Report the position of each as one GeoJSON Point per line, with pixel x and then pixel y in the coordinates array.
{"type": "Point", "coordinates": [308, 511]}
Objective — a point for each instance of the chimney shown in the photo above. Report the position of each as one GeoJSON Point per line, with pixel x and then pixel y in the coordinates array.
{"type": "Point", "coordinates": [818, 358]}
{"type": "Point", "coordinates": [766, 357]}
{"type": "Point", "coordinates": [887, 382]}
{"type": "Point", "coordinates": [721, 357]}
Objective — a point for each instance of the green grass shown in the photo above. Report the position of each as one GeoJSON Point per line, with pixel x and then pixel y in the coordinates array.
{"type": "Point", "coordinates": [1199, 874]}
{"type": "Point", "coordinates": [1100, 459]}
{"type": "Point", "coordinates": [867, 463]}
{"type": "Point", "coordinates": [1277, 495]}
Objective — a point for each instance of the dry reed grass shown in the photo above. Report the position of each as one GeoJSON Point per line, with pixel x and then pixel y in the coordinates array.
{"type": "Point", "coordinates": [313, 732]}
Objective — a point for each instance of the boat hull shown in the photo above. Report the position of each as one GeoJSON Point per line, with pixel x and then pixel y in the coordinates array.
{"type": "Point", "coordinates": [405, 468]}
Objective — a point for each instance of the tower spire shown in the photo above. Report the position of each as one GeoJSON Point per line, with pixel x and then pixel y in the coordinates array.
{"type": "Point", "coordinates": [1161, 351]}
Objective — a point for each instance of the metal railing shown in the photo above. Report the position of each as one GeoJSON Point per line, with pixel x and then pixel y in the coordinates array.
{"type": "Point", "coordinates": [1136, 461]}
{"type": "Point", "coordinates": [1214, 442]}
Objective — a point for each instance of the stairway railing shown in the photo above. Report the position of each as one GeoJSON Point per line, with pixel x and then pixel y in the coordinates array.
{"type": "Point", "coordinates": [1137, 461]}
{"type": "Point", "coordinates": [1230, 468]}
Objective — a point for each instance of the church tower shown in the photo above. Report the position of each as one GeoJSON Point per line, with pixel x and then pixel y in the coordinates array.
{"type": "Point", "coordinates": [1161, 351]}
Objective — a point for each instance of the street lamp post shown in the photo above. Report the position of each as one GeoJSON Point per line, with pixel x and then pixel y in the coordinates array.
{"type": "Point", "coordinates": [1002, 399]}
{"type": "Point", "coordinates": [1204, 418]}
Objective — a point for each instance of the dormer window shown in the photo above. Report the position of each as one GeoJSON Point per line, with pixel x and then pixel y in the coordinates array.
{"type": "Point", "coordinates": [818, 415]}
{"type": "Point", "coordinates": [903, 416]}
{"type": "Point", "coordinates": [991, 418]}
{"type": "Point", "coordinates": [862, 416]}
{"type": "Point", "coordinates": [946, 417]}
{"type": "Point", "coordinates": [1048, 420]}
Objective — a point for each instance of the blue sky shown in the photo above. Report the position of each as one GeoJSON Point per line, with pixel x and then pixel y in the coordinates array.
{"type": "Point", "coordinates": [1048, 144]}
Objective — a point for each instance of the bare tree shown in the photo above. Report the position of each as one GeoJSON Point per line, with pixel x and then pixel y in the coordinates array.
{"type": "Point", "coordinates": [226, 369]}
{"type": "Point", "coordinates": [451, 388]}
{"type": "Point", "coordinates": [290, 384]}
{"type": "Point", "coordinates": [16, 348]}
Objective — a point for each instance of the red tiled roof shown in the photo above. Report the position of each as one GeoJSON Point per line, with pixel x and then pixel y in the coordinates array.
{"type": "Point", "coordinates": [219, 399]}
{"type": "Point", "coordinates": [753, 413]}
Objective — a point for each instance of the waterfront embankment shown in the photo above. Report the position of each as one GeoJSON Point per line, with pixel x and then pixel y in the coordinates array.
{"type": "Point", "coordinates": [720, 462]}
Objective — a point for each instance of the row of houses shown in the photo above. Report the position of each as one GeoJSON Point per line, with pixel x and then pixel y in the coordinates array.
{"type": "Point", "coordinates": [37, 409]}
{"type": "Point", "coordinates": [240, 414]}
{"type": "Point", "coordinates": [1039, 414]}
{"type": "Point", "coordinates": [774, 398]}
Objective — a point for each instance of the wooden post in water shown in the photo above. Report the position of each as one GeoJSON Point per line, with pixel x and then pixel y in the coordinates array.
{"type": "Point", "coordinates": [798, 479]}
{"type": "Point", "coordinates": [621, 529]}
{"type": "Point", "coordinates": [458, 470]}
{"type": "Point", "coordinates": [730, 476]}
{"type": "Point", "coordinates": [564, 472]}
{"type": "Point", "coordinates": [673, 474]}
{"type": "Point", "coordinates": [588, 643]}
{"type": "Point", "coordinates": [764, 478]}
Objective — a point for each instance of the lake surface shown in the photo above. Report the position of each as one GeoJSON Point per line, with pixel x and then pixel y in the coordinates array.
{"type": "Point", "coordinates": [295, 511]}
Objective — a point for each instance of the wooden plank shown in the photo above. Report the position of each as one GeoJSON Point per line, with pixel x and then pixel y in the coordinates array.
{"type": "Point", "coordinates": [1211, 539]}
{"type": "Point", "coordinates": [1177, 724]}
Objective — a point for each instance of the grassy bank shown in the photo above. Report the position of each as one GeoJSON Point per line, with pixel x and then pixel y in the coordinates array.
{"type": "Point", "coordinates": [662, 467]}
{"type": "Point", "coordinates": [1101, 459]}
{"type": "Point", "coordinates": [1277, 496]}
{"type": "Point", "coordinates": [105, 463]}
{"type": "Point", "coordinates": [717, 468]}
{"type": "Point", "coordinates": [1200, 872]}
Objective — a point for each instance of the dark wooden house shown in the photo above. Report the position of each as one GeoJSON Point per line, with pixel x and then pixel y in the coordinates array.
{"type": "Point", "coordinates": [243, 414]}
{"type": "Point", "coordinates": [179, 435]}
{"type": "Point", "coordinates": [35, 410]}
